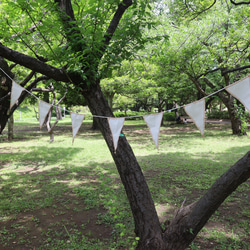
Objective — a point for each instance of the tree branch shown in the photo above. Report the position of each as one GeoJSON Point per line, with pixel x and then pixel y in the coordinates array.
{"type": "Point", "coordinates": [235, 69]}
{"type": "Point", "coordinates": [220, 190]}
{"type": "Point", "coordinates": [33, 64]}
{"type": "Point", "coordinates": [115, 21]}
{"type": "Point", "coordinates": [189, 220]}
{"type": "Point", "coordinates": [233, 2]}
{"type": "Point", "coordinates": [71, 28]}
{"type": "Point", "coordinates": [27, 79]}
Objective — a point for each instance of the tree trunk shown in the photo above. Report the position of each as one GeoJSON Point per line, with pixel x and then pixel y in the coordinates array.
{"type": "Point", "coordinates": [94, 124]}
{"type": "Point", "coordinates": [5, 89]}
{"type": "Point", "coordinates": [10, 128]}
{"type": "Point", "coordinates": [147, 225]}
{"type": "Point", "coordinates": [236, 122]}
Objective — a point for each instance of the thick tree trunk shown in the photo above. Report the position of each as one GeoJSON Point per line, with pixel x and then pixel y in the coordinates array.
{"type": "Point", "coordinates": [147, 225]}
{"type": "Point", "coordinates": [94, 124]}
{"type": "Point", "coordinates": [5, 89]}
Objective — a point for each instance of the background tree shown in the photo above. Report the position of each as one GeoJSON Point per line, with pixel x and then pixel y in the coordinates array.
{"type": "Point", "coordinates": [80, 43]}
{"type": "Point", "coordinates": [213, 52]}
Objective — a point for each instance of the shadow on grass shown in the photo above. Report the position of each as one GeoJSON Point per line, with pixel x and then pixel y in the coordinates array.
{"type": "Point", "coordinates": [47, 201]}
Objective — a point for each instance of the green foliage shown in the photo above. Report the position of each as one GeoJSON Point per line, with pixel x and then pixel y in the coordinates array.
{"type": "Point", "coordinates": [169, 116]}
{"type": "Point", "coordinates": [216, 114]}
{"type": "Point", "coordinates": [41, 30]}
{"type": "Point", "coordinates": [133, 115]}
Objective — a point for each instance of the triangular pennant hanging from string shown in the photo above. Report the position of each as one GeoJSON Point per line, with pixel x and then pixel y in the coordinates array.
{"type": "Point", "coordinates": [116, 125]}
{"type": "Point", "coordinates": [44, 109]}
{"type": "Point", "coordinates": [241, 91]}
{"type": "Point", "coordinates": [154, 124]}
{"type": "Point", "coordinates": [16, 91]}
{"type": "Point", "coordinates": [196, 111]}
{"type": "Point", "coordinates": [76, 120]}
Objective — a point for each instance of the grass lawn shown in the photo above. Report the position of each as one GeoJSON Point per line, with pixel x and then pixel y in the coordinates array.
{"type": "Point", "coordinates": [69, 196]}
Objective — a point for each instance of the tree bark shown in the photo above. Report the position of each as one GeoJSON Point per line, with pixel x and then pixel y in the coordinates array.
{"type": "Point", "coordinates": [147, 225]}
{"type": "Point", "coordinates": [5, 90]}
{"type": "Point", "coordinates": [10, 128]}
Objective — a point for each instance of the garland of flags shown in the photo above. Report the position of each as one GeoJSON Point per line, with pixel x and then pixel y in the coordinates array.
{"type": "Point", "coordinates": [196, 111]}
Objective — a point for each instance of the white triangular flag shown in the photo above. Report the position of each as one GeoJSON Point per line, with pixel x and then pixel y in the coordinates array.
{"type": "Point", "coordinates": [196, 111]}
{"type": "Point", "coordinates": [154, 124]}
{"type": "Point", "coordinates": [241, 91]}
{"type": "Point", "coordinates": [116, 125]}
{"type": "Point", "coordinates": [16, 91]}
{"type": "Point", "coordinates": [44, 109]}
{"type": "Point", "coordinates": [76, 120]}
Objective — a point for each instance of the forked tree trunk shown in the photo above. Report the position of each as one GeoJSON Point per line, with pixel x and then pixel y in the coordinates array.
{"type": "Point", "coordinates": [188, 220]}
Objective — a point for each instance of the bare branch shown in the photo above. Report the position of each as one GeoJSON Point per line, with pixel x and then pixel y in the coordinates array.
{"type": "Point", "coordinates": [62, 97]}
{"type": "Point", "coordinates": [197, 13]}
{"type": "Point", "coordinates": [235, 69]}
{"type": "Point", "coordinates": [239, 3]}
{"type": "Point", "coordinates": [27, 79]}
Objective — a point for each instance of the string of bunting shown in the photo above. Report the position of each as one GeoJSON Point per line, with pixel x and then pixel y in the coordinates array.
{"type": "Point", "coordinates": [196, 111]}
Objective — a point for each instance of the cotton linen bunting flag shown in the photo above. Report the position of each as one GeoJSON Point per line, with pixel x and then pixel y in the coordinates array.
{"type": "Point", "coordinates": [154, 124]}
{"type": "Point", "coordinates": [76, 120]}
{"type": "Point", "coordinates": [116, 125]}
{"type": "Point", "coordinates": [241, 91]}
{"type": "Point", "coordinates": [44, 109]}
{"type": "Point", "coordinates": [196, 111]}
{"type": "Point", "coordinates": [16, 91]}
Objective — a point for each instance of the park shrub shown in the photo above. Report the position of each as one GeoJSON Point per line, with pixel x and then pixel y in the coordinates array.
{"type": "Point", "coordinates": [131, 115]}
{"type": "Point", "coordinates": [134, 115]}
{"type": "Point", "coordinates": [216, 114]}
{"type": "Point", "coordinates": [169, 116]}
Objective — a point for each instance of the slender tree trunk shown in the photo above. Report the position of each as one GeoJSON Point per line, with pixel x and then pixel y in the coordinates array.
{"type": "Point", "coordinates": [236, 123]}
{"type": "Point", "coordinates": [10, 128]}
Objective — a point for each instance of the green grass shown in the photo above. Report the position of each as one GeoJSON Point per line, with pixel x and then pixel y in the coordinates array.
{"type": "Point", "coordinates": [69, 196]}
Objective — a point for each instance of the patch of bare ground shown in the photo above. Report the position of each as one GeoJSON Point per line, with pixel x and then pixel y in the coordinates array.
{"type": "Point", "coordinates": [33, 229]}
